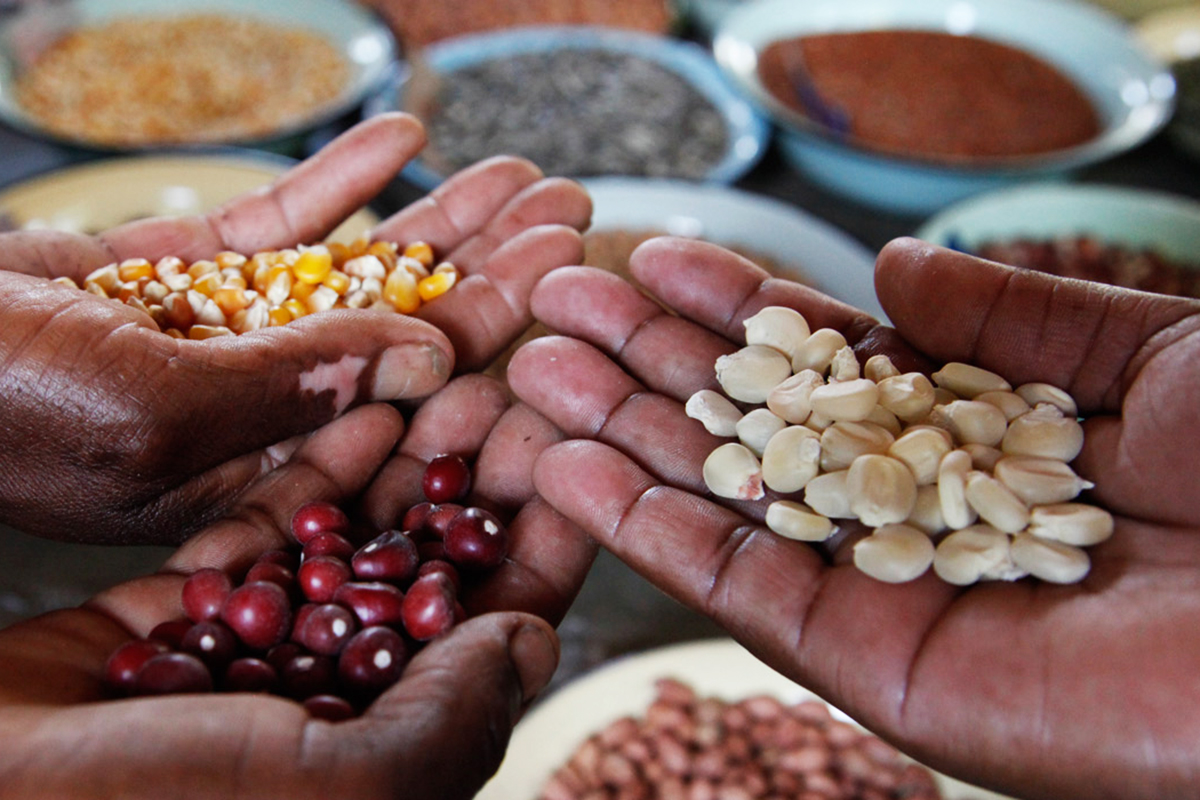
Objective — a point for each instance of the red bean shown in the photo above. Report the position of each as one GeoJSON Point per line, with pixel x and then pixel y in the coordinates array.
{"type": "Point", "coordinates": [120, 671]}
{"type": "Point", "coordinates": [428, 607]}
{"type": "Point", "coordinates": [476, 540]}
{"type": "Point", "coordinates": [391, 556]}
{"type": "Point", "coordinates": [204, 593]}
{"type": "Point", "coordinates": [211, 642]}
{"type": "Point", "coordinates": [320, 577]}
{"type": "Point", "coordinates": [250, 675]}
{"type": "Point", "coordinates": [318, 517]}
{"type": "Point", "coordinates": [324, 629]}
{"type": "Point", "coordinates": [447, 478]}
{"type": "Point", "coordinates": [372, 660]}
{"type": "Point", "coordinates": [173, 673]}
{"type": "Point", "coordinates": [259, 613]}
{"type": "Point", "coordinates": [372, 603]}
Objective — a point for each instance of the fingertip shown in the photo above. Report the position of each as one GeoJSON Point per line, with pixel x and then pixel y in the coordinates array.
{"type": "Point", "coordinates": [534, 650]}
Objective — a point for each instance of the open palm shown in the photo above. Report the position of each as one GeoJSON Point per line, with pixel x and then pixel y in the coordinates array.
{"type": "Point", "coordinates": [1081, 691]}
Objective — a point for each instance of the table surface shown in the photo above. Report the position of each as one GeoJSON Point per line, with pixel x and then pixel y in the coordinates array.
{"type": "Point", "coordinates": [617, 612]}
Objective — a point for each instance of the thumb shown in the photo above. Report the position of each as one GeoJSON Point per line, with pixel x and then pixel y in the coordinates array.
{"type": "Point", "coordinates": [444, 727]}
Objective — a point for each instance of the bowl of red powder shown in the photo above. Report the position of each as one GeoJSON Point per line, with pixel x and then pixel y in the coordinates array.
{"type": "Point", "coordinates": [910, 105]}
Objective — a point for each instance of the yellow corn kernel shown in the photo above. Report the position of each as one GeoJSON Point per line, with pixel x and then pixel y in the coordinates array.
{"type": "Point", "coordinates": [338, 281]}
{"type": "Point", "coordinates": [295, 307]}
{"type": "Point", "coordinates": [178, 311]}
{"type": "Point", "coordinates": [201, 268]}
{"type": "Point", "coordinates": [339, 252]}
{"type": "Point", "coordinates": [175, 333]}
{"type": "Point", "coordinates": [279, 315]}
{"type": "Point", "coordinates": [414, 267]}
{"type": "Point", "coordinates": [313, 265]}
{"type": "Point", "coordinates": [278, 285]}
{"type": "Point", "coordinates": [208, 331]}
{"type": "Point", "coordinates": [230, 299]}
{"type": "Point", "coordinates": [421, 251]}
{"type": "Point", "coordinates": [66, 281]}
{"type": "Point", "coordinates": [235, 280]}
{"type": "Point", "coordinates": [359, 246]}
{"type": "Point", "coordinates": [436, 285]}
{"type": "Point", "coordinates": [134, 269]}
{"type": "Point", "coordinates": [301, 290]}
{"type": "Point", "coordinates": [227, 259]}
{"type": "Point", "coordinates": [385, 252]}
{"type": "Point", "coordinates": [208, 284]}
{"type": "Point", "coordinates": [445, 266]}
{"type": "Point", "coordinates": [322, 299]}
{"type": "Point", "coordinates": [401, 291]}
{"type": "Point", "coordinates": [155, 291]}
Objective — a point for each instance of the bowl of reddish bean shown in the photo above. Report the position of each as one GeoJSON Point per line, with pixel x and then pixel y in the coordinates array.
{"type": "Point", "coordinates": [911, 105]}
{"type": "Point", "coordinates": [1135, 238]}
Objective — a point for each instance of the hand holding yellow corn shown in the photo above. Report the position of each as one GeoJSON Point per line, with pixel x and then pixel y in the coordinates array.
{"type": "Point", "coordinates": [233, 293]}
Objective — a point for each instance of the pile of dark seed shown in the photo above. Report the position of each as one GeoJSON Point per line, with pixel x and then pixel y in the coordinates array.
{"type": "Point", "coordinates": [577, 113]}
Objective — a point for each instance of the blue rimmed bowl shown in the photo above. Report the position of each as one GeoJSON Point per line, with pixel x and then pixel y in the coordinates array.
{"type": "Point", "coordinates": [747, 131]}
{"type": "Point", "coordinates": [1132, 92]}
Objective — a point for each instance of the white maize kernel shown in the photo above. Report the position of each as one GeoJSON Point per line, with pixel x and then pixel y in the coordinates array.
{"type": "Point", "coordinates": [995, 503]}
{"type": "Point", "coordinates": [978, 552]}
{"type": "Point", "coordinates": [1044, 432]}
{"type": "Point", "coordinates": [967, 380]}
{"type": "Point", "coordinates": [1011, 404]}
{"type": "Point", "coordinates": [882, 490]}
{"type": "Point", "coordinates": [927, 513]}
{"type": "Point", "coordinates": [782, 328]}
{"type": "Point", "coordinates": [751, 373]}
{"type": "Point", "coordinates": [828, 495]}
{"type": "Point", "coordinates": [850, 401]}
{"type": "Point", "coordinates": [797, 521]}
{"type": "Point", "coordinates": [922, 451]}
{"type": "Point", "coordinates": [885, 419]}
{"type": "Point", "coordinates": [879, 367]}
{"type": "Point", "coordinates": [983, 457]}
{"type": "Point", "coordinates": [792, 399]}
{"type": "Point", "coordinates": [1040, 481]}
{"type": "Point", "coordinates": [845, 366]}
{"type": "Point", "coordinates": [1048, 560]}
{"type": "Point", "coordinates": [1037, 393]}
{"type": "Point", "coordinates": [908, 396]}
{"type": "Point", "coordinates": [1071, 523]}
{"type": "Point", "coordinates": [755, 429]}
{"type": "Point", "coordinates": [952, 489]}
{"type": "Point", "coordinates": [976, 422]}
{"type": "Point", "coordinates": [791, 459]}
{"type": "Point", "coordinates": [718, 415]}
{"type": "Point", "coordinates": [732, 471]}
{"type": "Point", "coordinates": [842, 442]}
{"type": "Point", "coordinates": [894, 554]}
{"type": "Point", "coordinates": [818, 350]}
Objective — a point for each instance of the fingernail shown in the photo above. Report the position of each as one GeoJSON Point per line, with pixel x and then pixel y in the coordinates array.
{"type": "Point", "coordinates": [535, 655]}
{"type": "Point", "coordinates": [410, 370]}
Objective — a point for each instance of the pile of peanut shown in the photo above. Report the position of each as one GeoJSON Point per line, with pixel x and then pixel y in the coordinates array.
{"type": "Point", "coordinates": [692, 748]}
{"type": "Point", "coordinates": [962, 471]}
{"type": "Point", "coordinates": [233, 293]}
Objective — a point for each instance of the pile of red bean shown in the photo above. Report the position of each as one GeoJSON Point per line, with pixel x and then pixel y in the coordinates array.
{"type": "Point", "coordinates": [327, 623]}
{"type": "Point", "coordinates": [692, 748]}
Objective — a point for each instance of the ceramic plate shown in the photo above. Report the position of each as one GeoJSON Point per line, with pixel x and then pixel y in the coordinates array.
{"type": "Point", "coordinates": [363, 39]}
{"type": "Point", "coordinates": [802, 246]}
{"type": "Point", "coordinates": [549, 734]}
{"type": "Point", "coordinates": [97, 195]}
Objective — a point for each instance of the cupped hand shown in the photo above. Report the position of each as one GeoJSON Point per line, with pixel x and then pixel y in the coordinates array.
{"type": "Point", "coordinates": [1038, 690]}
{"type": "Point", "coordinates": [439, 733]}
{"type": "Point", "coordinates": [116, 433]}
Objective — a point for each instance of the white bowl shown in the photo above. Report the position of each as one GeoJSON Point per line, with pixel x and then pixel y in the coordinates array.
{"type": "Point", "coordinates": [803, 247]}
{"type": "Point", "coordinates": [97, 195]}
{"type": "Point", "coordinates": [1133, 93]}
{"type": "Point", "coordinates": [1136, 218]}
{"type": "Point", "coordinates": [359, 35]}
{"type": "Point", "coordinates": [748, 132]}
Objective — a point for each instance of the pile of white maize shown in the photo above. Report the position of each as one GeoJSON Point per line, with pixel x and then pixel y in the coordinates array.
{"type": "Point", "coordinates": [963, 472]}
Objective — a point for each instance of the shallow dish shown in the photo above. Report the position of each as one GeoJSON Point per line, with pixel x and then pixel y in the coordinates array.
{"type": "Point", "coordinates": [364, 41]}
{"type": "Point", "coordinates": [1132, 92]}
{"type": "Point", "coordinates": [721, 668]}
{"type": "Point", "coordinates": [1136, 218]}
{"type": "Point", "coordinates": [747, 131]}
{"type": "Point", "coordinates": [97, 195]}
{"type": "Point", "coordinates": [802, 247]}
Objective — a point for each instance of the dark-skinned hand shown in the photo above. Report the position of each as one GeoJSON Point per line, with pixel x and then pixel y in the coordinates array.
{"type": "Point", "coordinates": [1032, 689]}
{"type": "Point", "coordinates": [438, 734]}
{"type": "Point", "coordinates": [114, 432]}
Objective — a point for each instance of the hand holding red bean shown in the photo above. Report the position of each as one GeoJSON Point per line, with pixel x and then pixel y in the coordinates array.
{"type": "Point", "coordinates": [119, 433]}
{"type": "Point", "coordinates": [996, 683]}
{"type": "Point", "coordinates": [439, 732]}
